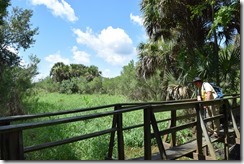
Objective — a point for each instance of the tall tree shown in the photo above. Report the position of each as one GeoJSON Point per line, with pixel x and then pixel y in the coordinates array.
{"type": "Point", "coordinates": [16, 33]}
{"type": "Point", "coordinates": [193, 25]}
{"type": "Point", "coordinates": [60, 72]}
{"type": "Point", "coordinates": [92, 72]}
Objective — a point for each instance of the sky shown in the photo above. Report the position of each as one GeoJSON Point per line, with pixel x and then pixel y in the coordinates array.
{"type": "Point", "coordinates": [104, 33]}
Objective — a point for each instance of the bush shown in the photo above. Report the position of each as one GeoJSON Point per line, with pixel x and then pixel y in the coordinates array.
{"type": "Point", "coordinates": [48, 85]}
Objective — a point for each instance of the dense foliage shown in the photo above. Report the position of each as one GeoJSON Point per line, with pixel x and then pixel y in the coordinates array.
{"type": "Point", "coordinates": [15, 79]}
{"type": "Point", "coordinates": [187, 38]}
{"type": "Point", "coordinates": [179, 48]}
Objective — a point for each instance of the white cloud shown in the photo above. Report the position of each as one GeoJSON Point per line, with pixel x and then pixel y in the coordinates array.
{"type": "Point", "coordinates": [58, 8]}
{"type": "Point", "coordinates": [54, 58]}
{"type": "Point", "coordinates": [112, 44]}
{"type": "Point", "coordinates": [137, 19]}
{"type": "Point", "coordinates": [80, 56]}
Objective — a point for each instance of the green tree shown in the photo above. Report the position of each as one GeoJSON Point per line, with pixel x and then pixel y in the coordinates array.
{"type": "Point", "coordinates": [16, 33]}
{"type": "Point", "coordinates": [60, 72]}
{"type": "Point", "coordinates": [17, 84]}
{"type": "Point", "coordinates": [15, 80]}
{"type": "Point", "coordinates": [197, 36]}
{"type": "Point", "coordinates": [77, 70]}
{"type": "Point", "coordinates": [92, 72]}
{"type": "Point", "coordinates": [127, 82]}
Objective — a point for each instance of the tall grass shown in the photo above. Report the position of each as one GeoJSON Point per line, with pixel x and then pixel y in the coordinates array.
{"type": "Point", "coordinates": [90, 149]}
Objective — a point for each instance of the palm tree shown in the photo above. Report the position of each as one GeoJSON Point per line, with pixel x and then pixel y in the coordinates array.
{"type": "Point", "coordinates": [161, 56]}
{"type": "Point", "coordinates": [229, 61]}
{"type": "Point", "coordinates": [153, 56]}
{"type": "Point", "coordinates": [77, 70]}
{"type": "Point", "coordinates": [191, 24]}
{"type": "Point", "coordinates": [92, 72]}
{"type": "Point", "coordinates": [60, 72]}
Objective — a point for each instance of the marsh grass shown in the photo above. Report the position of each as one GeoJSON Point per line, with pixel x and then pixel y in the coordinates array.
{"type": "Point", "coordinates": [89, 149]}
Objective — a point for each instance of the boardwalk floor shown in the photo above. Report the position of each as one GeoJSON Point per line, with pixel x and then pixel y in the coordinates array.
{"type": "Point", "coordinates": [179, 151]}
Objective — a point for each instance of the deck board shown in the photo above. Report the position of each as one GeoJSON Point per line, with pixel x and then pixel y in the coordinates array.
{"type": "Point", "coordinates": [179, 151]}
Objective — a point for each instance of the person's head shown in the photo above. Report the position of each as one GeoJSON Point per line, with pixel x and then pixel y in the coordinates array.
{"type": "Point", "coordinates": [197, 82]}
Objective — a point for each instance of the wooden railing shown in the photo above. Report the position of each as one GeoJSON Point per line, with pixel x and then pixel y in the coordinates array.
{"type": "Point", "coordinates": [11, 133]}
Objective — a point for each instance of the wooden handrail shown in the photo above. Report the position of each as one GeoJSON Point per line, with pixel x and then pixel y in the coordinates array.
{"type": "Point", "coordinates": [15, 130]}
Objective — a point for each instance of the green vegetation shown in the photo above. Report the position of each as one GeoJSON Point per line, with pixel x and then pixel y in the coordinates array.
{"type": "Point", "coordinates": [15, 80]}
{"type": "Point", "coordinates": [90, 149]}
{"type": "Point", "coordinates": [179, 48]}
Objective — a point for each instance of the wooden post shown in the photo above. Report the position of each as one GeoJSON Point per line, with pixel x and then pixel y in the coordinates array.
{"type": "Point", "coordinates": [12, 146]}
{"type": "Point", "coordinates": [2, 142]}
{"type": "Point", "coordinates": [121, 152]}
{"type": "Point", "coordinates": [173, 124]}
{"type": "Point", "coordinates": [147, 134]}
{"type": "Point", "coordinates": [199, 154]}
{"type": "Point", "coordinates": [112, 135]}
{"type": "Point", "coordinates": [226, 133]}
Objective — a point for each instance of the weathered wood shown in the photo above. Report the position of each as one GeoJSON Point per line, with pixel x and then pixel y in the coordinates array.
{"type": "Point", "coordinates": [173, 124]}
{"type": "Point", "coordinates": [158, 138]}
{"type": "Point", "coordinates": [199, 130]}
{"type": "Point", "coordinates": [14, 132]}
{"type": "Point", "coordinates": [180, 150]}
{"type": "Point", "coordinates": [205, 133]}
{"type": "Point", "coordinates": [12, 147]}
{"type": "Point", "coordinates": [184, 105]}
{"type": "Point", "coordinates": [147, 134]}
{"type": "Point", "coordinates": [68, 140]}
{"type": "Point", "coordinates": [112, 135]}
{"type": "Point", "coordinates": [11, 128]}
{"type": "Point", "coordinates": [226, 134]}
{"type": "Point", "coordinates": [173, 106]}
{"type": "Point", "coordinates": [121, 150]}
{"type": "Point", "coordinates": [234, 124]}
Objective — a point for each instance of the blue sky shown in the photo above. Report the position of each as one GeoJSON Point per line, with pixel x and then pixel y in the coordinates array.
{"type": "Point", "coordinates": [104, 33]}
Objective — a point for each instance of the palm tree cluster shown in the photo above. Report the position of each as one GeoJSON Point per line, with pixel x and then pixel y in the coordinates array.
{"type": "Point", "coordinates": [60, 72]}
{"type": "Point", "coordinates": [190, 38]}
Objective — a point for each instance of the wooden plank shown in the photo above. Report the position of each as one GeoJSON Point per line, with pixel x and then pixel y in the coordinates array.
{"type": "Point", "coordinates": [179, 151]}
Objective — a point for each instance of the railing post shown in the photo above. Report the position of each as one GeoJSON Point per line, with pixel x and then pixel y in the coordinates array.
{"type": "Point", "coordinates": [2, 140]}
{"type": "Point", "coordinates": [12, 146]}
{"type": "Point", "coordinates": [121, 153]}
{"type": "Point", "coordinates": [226, 133]}
{"type": "Point", "coordinates": [147, 134]}
{"type": "Point", "coordinates": [173, 124]}
{"type": "Point", "coordinates": [237, 133]}
{"type": "Point", "coordinates": [199, 154]}
{"type": "Point", "coordinates": [112, 135]}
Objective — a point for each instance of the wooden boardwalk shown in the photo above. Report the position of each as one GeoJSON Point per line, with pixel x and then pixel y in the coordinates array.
{"type": "Point", "coordinates": [201, 147]}
{"type": "Point", "coordinates": [176, 152]}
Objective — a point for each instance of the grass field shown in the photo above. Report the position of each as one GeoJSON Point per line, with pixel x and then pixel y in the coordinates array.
{"type": "Point", "coordinates": [90, 149]}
